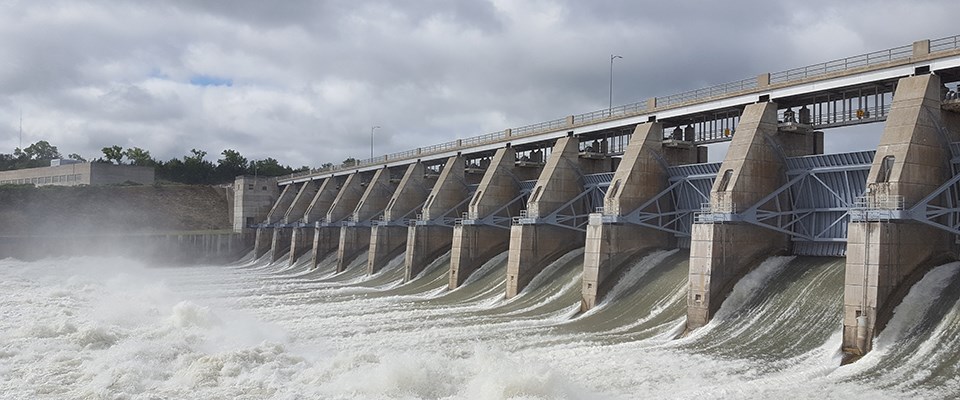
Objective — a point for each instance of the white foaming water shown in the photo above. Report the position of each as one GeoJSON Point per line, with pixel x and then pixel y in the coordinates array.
{"type": "Point", "coordinates": [921, 296]}
{"type": "Point", "coordinates": [747, 287]}
{"type": "Point", "coordinates": [633, 276]}
{"type": "Point", "coordinates": [111, 328]}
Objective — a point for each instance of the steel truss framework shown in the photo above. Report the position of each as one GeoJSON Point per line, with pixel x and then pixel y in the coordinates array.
{"type": "Point", "coordinates": [815, 203]}
{"type": "Point", "coordinates": [575, 213]}
{"type": "Point", "coordinates": [941, 208]}
{"type": "Point", "coordinates": [812, 207]}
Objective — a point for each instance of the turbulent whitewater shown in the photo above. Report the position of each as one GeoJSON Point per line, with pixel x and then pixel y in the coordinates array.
{"type": "Point", "coordinates": [115, 328]}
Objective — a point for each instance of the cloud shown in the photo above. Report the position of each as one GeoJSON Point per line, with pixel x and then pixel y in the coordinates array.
{"type": "Point", "coordinates": [303, 81]}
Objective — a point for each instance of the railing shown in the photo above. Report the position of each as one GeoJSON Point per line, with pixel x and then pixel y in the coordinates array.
{"type": "Point", "coordinates": [843, 64]}
{"type": "Point", "coordinates": [882, 202]}
{"type": "Point", "coordinates": [877, 208]}
{"type": "Point", "coordinates": [541, 127]}
{"type": "Point", "coordinates": [518, 219]}
{"type": "Point", "coordinates": [714, 212]}
{"type": "Point", "coordinates": [810, 71]}
{"type": "Point", "coordinates": [605, 114]}
{"type": "Point", "coordinates": [707, 93]}
{"type": "Point", "coordinates": [944, 44]}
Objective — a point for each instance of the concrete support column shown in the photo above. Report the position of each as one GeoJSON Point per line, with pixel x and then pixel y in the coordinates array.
{"type": "Point", "coordinates": [280, 243]}
{"type": "Point", "coordinates": [885, 258]}
{"type": "Point", "coordinates": [639, 177]}
{"type": "Point", "coordinates": [319, 243]}
{"type": "Point", "coordinates": [722, 252]}
{"type": "Point", "coordinates": [301, 241]}
{"type": "Point", "coordinates": [427, 242]}
{"type": "Point", "coordinates": [325, 241]}
{"type": "Point", "coordinates": [534, 246]}
{"type": "Point", "coordinates": [355, 235]}
{"type": "Point", "coordinates": [474, 244]}
{"type": "Point", "coordinates": [295, 215]}
{"type": "Point", "coordinates": [276, 215]}
{"type": "Point", "coordinates": [340, 209]}
{"type": "Point", "coordinates": [389, 239]}
{"type": "Point", "coordinates": [262, 242]}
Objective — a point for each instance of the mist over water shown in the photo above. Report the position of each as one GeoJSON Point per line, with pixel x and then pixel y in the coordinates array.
{"type": "Point", "coordinates": [96, 327]}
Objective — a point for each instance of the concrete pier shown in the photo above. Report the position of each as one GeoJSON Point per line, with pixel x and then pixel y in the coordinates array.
{"type": "Point", "coordinates": [267, 242]}
{"type": "Point", "coordinates": [340, 210]}
{"type": "Point", "coordinates": [474, 244]}
{"type": "Point", "coordinates": [355, 234]}
{"type": "Point", "coordinates": [262, 241]}
{"type": "Point", "coordinates": [324, 239]}
{"type": "Point", "coordinates": [388, 237]}
{"type": "Point", "coordinates": [534, 246]}
{"type": "Point", "coordinates": [447, 199]}
{"type": "Point", "coordinates": [886, 255]}
{"type": "Point", "coordinates": [722, 252]}
{"type": "Point", "coordinates": [301, 236]}
{"type": "Point", "coordinates": [639, 177]}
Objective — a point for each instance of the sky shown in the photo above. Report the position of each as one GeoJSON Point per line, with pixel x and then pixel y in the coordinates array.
{"type": "Point", "coordinates": [305, 81]}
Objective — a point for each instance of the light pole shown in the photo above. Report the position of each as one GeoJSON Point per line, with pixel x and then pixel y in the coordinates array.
{"type": "Point", "coordinates": [610, 104]}
{"type": "Point", "coordinates": [371, 140]}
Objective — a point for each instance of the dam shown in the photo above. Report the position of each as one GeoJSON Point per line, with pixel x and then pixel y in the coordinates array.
{"type": "Point", "coordinates": [625, 182]}
{"type": "Point", "coordinates": [600, 255]}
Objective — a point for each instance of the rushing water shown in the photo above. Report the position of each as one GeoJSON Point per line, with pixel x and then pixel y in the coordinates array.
{"type": "Point", "coordinates": [114, 328]}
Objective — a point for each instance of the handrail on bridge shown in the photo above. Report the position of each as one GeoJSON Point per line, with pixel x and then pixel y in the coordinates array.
{"type": "Point", "coordinates": [697, 95]}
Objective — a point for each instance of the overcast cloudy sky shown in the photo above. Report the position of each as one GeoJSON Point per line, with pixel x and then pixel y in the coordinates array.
{"type": "Point", "coordinates": [304, 81]}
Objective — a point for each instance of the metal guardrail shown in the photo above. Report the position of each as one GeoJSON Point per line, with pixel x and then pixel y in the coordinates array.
{"type": "Point", "coordinates": [878, 208]}
{"type": "Point", "coordinates": [944, 44]}
{"type": "Point", "coordinates": [843, 64]}
{"type": "Point", "coordinates": [703, 94]}
{"type": "Point", "coordinates": [708, 92]}
{"type": "Point", "coordinates": [885, 202]}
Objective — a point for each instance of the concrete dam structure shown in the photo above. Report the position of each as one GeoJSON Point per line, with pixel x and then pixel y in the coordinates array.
{"type": "Point", "coordinates": [624, 182]}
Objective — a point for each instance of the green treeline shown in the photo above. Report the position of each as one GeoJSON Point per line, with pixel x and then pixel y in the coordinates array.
{"type": "Point", "coordinates": [192, 168]}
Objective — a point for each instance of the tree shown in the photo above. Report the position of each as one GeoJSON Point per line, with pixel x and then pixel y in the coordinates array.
{"type": "Point", "coordinates": [268, 167]}
{"type": "Point", "coordinates": [231, 165]}
{"type": "Point", "coordinates": [7, 162]}
{"type": "Point", "coordinates": [75, 156]}
{"type": "Point", "coordinates": [113, 153]}
{"type": "Point", "coordinates": [41, 150]}
{"type": "Point", "coordinates": [139, 157]}
{"type": "Point", "coordinates": [349, 162]}
{"type": "Point", "coordinates": [197, 157]}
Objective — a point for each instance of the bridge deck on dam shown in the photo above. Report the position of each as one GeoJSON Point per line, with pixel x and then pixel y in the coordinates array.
{"type": "Point", "coordinates": [848, 91]}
